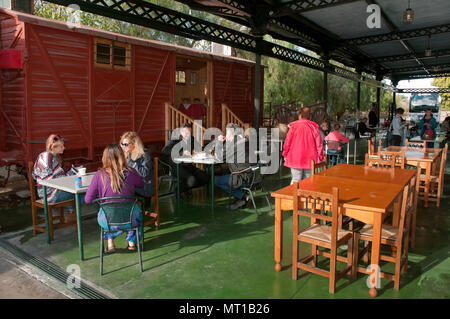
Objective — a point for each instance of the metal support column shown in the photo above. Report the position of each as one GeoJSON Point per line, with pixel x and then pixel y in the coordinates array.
{"type": "Point", "coordinates": [378, 101]}
{"type": "Point", "coordinates": [325, 87]}
{"type": "Point", "coordinates": [358, 99]}
{"type": "Point", "coordinates": [379, 78]}
{"type": "Point", "coordinates": [394, 103]}
{"type": "Point", "coordinates": [393, 107]}
{"type": "Point", "coordinates": [257, 91]}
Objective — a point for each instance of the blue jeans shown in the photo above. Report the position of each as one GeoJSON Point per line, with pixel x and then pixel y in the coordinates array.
{"type": "Point", "coordinates": [334, 155]}
{"type": "Point", "coordinates": [62, 196]}
{"type": "Point", "coordinates": [223, 182]}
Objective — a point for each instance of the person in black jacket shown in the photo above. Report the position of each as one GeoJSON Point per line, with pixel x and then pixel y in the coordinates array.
{"type": "Point", "coordinates": [236, 155]}
{"type": "Point", "coordinates": [373, 118]}
{"type": "Point", "coordinates": [363, 129]}
{"type": "Point", "coordinates": [190, 176]}
{"type": "Point", "coordinates": [141, 160]}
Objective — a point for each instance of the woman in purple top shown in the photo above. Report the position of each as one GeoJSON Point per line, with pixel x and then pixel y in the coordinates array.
{"type": "Point", "coordinates": [115, 179]}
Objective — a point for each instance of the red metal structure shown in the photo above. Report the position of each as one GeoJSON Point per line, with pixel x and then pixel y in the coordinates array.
{"type": "Point", "coordinates": [90, 86]}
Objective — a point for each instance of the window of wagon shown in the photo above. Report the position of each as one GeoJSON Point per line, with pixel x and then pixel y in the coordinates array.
{"type": "Point", "coordinates": [112, 55]}
{"type": "Point", "coordinates": [180, 77]}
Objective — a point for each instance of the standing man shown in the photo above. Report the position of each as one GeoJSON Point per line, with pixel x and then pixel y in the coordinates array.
{"type": "Point", "coordinates": [303, 144]}
{"type": "Point", "coordinates": [373, 118]}
{"type": "Point", "coordinates": [398, 127]}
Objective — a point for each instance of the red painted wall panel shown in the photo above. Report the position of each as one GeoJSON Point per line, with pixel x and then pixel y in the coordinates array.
{"type": "Point", "coordinates": [12, 97]}
{"type": "Point", "coordinates": [234, 86]}
{"type": "Point", "coordinates": [59, 79]}
{"type": "Point", "coordinates": [151, 65]}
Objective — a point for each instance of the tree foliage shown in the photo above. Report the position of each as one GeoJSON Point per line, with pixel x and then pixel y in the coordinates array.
{"type": "Point", "coordinates": [443, 83]}
{"type": "Point", "coordinates": [67, 14]}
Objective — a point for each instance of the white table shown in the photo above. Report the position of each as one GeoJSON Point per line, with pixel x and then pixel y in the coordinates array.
{"type": "Point", "coordinates": [195, 160]}
{"type": "Point", "coordinates": [67, 184]}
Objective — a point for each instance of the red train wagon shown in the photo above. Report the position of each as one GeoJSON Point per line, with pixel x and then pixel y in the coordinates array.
{"type": "Point", "coordinates": [90, 86]}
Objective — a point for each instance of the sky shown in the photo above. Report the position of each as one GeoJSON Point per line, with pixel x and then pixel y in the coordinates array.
{"type": "Point", "coordinates": [419, 83]}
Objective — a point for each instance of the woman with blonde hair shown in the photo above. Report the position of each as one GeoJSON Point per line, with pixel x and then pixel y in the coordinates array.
{"type": "Point", "coordinates": [141, 160]}
{"type": "Point", "coordinates": [49, 165]}
{"type": "Point", "coordinates": [115, 178]}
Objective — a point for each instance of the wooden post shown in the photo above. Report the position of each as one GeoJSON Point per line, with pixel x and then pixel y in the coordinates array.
{"type": "Point", "coordinates": [167, 122]}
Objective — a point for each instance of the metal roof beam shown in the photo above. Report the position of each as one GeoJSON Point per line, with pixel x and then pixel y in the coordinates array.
{"type": "Point", "coordinates": [409, 56]}
{"type": "Point", "coordinates": [240, 7]}
{"type": "Point", "coordinates": [307, 5]}
{"type": "Point", "coordinates": [423, 76]}
{"type": "Point", "coordinates": [412, 69]}
{"type": "Point", "coordinates": [424, 90]}
{"type": "Point", "coordinates": [399, 35]}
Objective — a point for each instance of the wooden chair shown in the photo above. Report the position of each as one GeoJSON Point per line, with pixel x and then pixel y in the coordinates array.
{"type": "Point", "coordinates": [39, 203]}
{"type": "Point", "coordinates": [371, 147]}
{"type": "Point", "coordinates": [416, 146]}
{"type": "Point", "coordinates": [436, 181]}
{"type": "Point", "coordinates": [317, 206]}
{"type": "Point", "coordinates": [317, 168]}
{"type": "Point", "coordinates": [376, 161]}
{"type": "Point", "coordinates": [154, 215]}
{"type": "Point", "coordinates": [395, 237]}
{"type": "Point", "coordinates": [398, 157]}
{"type": "Point", "coordinates": [414, 212]}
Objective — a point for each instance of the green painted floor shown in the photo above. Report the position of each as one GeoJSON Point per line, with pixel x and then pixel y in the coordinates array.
{"type": "Point", "coordinates": [230, 254]}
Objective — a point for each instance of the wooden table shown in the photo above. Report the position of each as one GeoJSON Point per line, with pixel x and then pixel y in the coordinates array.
{"type": "Point", "coordinates": [67, 184]}
{"type": "Point", "coordinates": [437, 141]}
{"type": "Point", "coordinates": [426, 159]}
{"type": "Point", "coordinates": [398, 176]}
{"type": "Point", "coordinates": [365, 201]}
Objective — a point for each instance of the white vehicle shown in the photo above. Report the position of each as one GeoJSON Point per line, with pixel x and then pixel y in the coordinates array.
{"type": "Point", "coordinates": [419, 102]}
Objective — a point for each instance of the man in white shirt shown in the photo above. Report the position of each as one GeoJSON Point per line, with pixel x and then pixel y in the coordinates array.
{"type": "Point", "coordinates": [398, 127]}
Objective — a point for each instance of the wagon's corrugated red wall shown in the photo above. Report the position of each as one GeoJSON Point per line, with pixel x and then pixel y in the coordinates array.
{"type": "Point", "coordinates": [58, 95]}
{"type": "Point", "coordinates": [154, 85]}
{"type": "Point", "coordinates": [234, 85]}
{"type": "Point", "coordinates": [12, 88]}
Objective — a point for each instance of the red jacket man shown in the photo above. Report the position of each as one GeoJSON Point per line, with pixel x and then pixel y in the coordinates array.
{"type": "Point", "coordinates": [303, 144]}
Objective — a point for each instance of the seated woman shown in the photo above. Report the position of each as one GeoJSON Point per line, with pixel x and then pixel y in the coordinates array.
{"type": "Point", "coordinates": [141, 160]}
{"type": "Point", "coordinates": [116, 178]}
{"type": "Point", "coordinates": [190, 176]}
{"type": "Point", "coordinates": [333, 141]}
{"type": "Point", "coordinates": [49, 165]}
